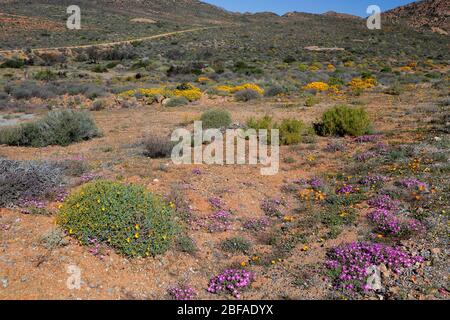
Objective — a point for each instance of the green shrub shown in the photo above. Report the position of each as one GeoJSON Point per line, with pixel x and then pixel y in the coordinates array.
{"type": "Point", "coordinates": [243, 68]}
{"type": "Point", "coordinates": [186, 244]}
{"type": "Point", "coordinates": [265, 122]}
{"type": "Point", "coordinates": [100, 68]}
{"type": "Point", "coordinates": [56, 128]}
{"type": "Point", "coordinates": [335, 81]}
{"type": "Point", "coordinates": [342, 120]}
{"type": "Point", "coordinates": [45, 75]}
{"type": "Point", "coordinates": [215, 118]}
{"type": "Point", "coordinates": [303, 67]}
{"type": "Point", "coordinates": [291, 131]}
{"type": "Point", "coordinates": [13, 63]}
{"type": "Point", "coordinates": [112, 64]}
{"type": "Point", "coordinates": [310, 101]}
{"type": "Point", "coordinates": [236, 244]}
{"type": "Point", "coordinates": [126, 217]}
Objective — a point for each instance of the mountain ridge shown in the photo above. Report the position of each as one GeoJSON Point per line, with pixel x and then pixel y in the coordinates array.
{"type": "Point", "coordinates": [426, 15]}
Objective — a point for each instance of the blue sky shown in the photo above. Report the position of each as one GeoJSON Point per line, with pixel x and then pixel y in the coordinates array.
{"type": "Point", "coordinates": [356, 7]}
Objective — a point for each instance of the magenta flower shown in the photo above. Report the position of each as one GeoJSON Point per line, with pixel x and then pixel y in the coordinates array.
{"type": "Point", "coordinates": [352, 260]}
{"type": "Point", "coordinates": [231, 280]}
{"type": "Point", "coordinates": [346, 189]}
{"type": "Point", "coordinates": [182, 293]}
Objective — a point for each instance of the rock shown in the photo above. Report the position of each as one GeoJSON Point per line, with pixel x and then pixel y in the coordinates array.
{"type": "Point", "coordinates": [436, 251]}
{"type": "Point", "coordinates": [384, 271]}
{"type": "Point", "coordinates": [437, 139]}
{"type": "Point", "coordinates": [164, 102]}
{"type": "Point", "coordinates": [160, 98]}
{"type": "Point", "coordinates": [4, 282]}
{"type": "Point", "coordinates": [394, 290]}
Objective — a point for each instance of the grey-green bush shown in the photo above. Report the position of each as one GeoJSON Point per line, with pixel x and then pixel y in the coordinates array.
{"type": "Point", "coordinates": [56, 128]}
{"type": "Point", "coordinates": [27, 180]}
{"type": "Point", "coordinates": [157, 147]}
{"type": "Point", "coordinates": [246, 95]}
{"type": "Point", "coordinates": [274, 90]}
{"type": "Point", "coordinates": [175, 102]}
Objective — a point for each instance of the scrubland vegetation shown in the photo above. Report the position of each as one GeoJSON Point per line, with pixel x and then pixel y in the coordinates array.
{"type": "Point", "coordinates": [84, 168]}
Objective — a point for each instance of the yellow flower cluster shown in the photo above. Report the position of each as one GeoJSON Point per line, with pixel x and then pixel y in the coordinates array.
{"type": "Point", "coordinates": [349, 64]}
{"type": "Point", "coordinates": [253, 259]}
{"type": "Point", "coordinates": [192, 93]}
{"type": "Point", "coordinates": [203, 79]}
{"type": "Point", "coordinates": [311, 194]}
{"type": "Point", "coordinates": [149, 92]}
{"type": "Point", "coordinates": [405, 69]}
{"type": "Point", "coordinates": [334, 89]}
{"type": "Point", "coordinates": [276, 261]}
{"type": "Point", "coordinates": [244, 86]}
{"type": "Point", "coordinates": [318, 86]}
{"type": "Point", "coordinates": [360, 83]}
{"type": "Point", "coordinates": [414, 165]}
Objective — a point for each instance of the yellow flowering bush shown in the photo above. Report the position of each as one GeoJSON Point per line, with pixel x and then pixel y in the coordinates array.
{"type": "Point", "coordinates": [318, 86]}
{"type": "Point", "coordinates": [188, 91]}
{"type": "Point", "coordinates": [127, 218]}
{"type": "Point", "coordinates": [362, 83]}
{"type": "Point", "coordinates": [405, 68]}
{"type": "Point", "coordinates": [234, 89]}
{"type": "Point", "coordinates": [149, 92]}
{"type": "Point", "coordinates": [349, 64]}
{"type": "Point", "coordinates": [190, 94]}
{"type": "Point", "coordinates": [203, 79]}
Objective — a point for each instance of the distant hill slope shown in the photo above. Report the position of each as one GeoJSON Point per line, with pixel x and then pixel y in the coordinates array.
{"type": "Point", "coordinates": [28, 24]}
{"type": "Point", "coordinates": [340, 15]}
{"type": "Point", "coordinates": [188, 11]}
{"type": "Point", "coordinates": [423, 15]}
{"type": "Point", "coordinates": [42, 23]}
{"type": "Point", "coordinates": [170, 8]}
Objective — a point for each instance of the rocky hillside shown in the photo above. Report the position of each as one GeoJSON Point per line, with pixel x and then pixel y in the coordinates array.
{"type": "Point", "coordinates": [423, 15]}
{"type": "Point", "coordinates": [340, 15]}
